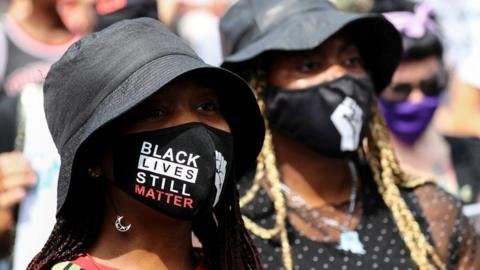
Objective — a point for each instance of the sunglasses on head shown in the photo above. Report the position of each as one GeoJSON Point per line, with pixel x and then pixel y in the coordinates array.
{"type": "Point", "coordinates": [432, 86]}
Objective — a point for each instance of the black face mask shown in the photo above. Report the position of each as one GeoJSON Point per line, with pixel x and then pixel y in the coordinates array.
{"type": "Point", "coordinates": [178, 171]}
{"type": "Point", "coordinates": [330, 118]}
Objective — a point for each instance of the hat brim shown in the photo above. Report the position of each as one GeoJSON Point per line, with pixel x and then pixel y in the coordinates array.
{"type": "Point", "coordinates": [240, 109]}
{"type": "Point", "coordinates": [379, 41]}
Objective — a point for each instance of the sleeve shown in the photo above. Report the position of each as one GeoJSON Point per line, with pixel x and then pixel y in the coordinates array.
{"type": "Point", "coordinates": [452, 233]}
{"type": "Point", "coordinates": [8, 120]}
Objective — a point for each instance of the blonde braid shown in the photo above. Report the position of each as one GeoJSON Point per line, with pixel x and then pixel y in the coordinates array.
{"type": "Point", "coordinates": [267, 171]}
{"type": "Point", "coordinates": [388, 175]}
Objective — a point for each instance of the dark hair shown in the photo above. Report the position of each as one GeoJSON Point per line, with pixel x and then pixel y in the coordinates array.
{"type": "Point", "coordinates": [382, 6]}
{"type": "Point", "coordinates": [226, 246]}
{"type": "Point", "coordinates": [429, 44]}
{"type": "Point", "coordinates": [6, 243]}
{"type": "Point", "coordinates": [420, 48]}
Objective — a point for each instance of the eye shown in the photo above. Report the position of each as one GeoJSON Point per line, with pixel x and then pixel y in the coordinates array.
{"type": "Point", "coordinates": [153, 114]}
{"type": "Point", "coordinates": [209, 106]}
{"type": "Point", "coordinates": [351, 59]}
{"type": "Point", "coordinates": [353, 62]}
{"type": "Point", "coordinates": [308, 66]}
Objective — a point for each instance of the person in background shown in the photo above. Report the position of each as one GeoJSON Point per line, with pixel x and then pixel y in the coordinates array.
{"type": "Point", "coordinates": [78, 16]}
{"type": "Point", "coordinates": [410, 102]}
{"type": "Point", "coordinates": [356, 6]}
{"type": "Point", "coordinates": [151, 143]}
{"type": "Point", "coordinates": [196, 21]}
{"type": "Point", "coordinates": [460, 21]}
{"type": "Point", "coordinates": [15, 177]}
{"type": "Point", "coordinates": [460, 116]}
{"type": "Point", "coordinates": [328, 191]}
{"type": "Point", "coordinates": [33, 35]}
{"type": "Point", "coordinates": [167, 11]}
{"type": "Point", "coordinates": [112, 11]}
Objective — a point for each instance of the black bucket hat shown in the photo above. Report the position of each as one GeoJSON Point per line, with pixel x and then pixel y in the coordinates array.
{"type": "Point", "coordinates": [252, 27]}
{"type": "Point", "coordinates": [107, 73]}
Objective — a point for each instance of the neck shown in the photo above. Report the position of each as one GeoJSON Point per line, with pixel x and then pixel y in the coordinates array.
{"type": "Point", "coordinates": [429, 141]}
{"type": "Point", "coordinates": [318, 179]}
{"type": "Point", "coordinates": [43, 24]}
{"type": "Point", "coordinates": [153, 242]}
{"type": "Point", "coordinates": [418, 158]}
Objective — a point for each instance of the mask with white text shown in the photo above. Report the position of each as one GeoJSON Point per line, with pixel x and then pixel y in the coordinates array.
{"type": "Point", "coordinates": [178, 171]}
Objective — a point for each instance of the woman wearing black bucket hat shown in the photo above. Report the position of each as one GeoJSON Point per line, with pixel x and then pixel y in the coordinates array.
{"type": "Point", "coordinates": [317, 199]}
{"type": "Point", "coordinates": [151, 141]}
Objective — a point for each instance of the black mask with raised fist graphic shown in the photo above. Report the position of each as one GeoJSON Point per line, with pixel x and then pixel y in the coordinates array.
{"type": "Point", "coordinates": [178, 171]}
{"type": "Point", "coordinates": [330, 118]}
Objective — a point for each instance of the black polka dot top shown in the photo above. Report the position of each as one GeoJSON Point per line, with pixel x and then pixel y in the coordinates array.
{"type": "Point", "coordinates": [437, 213]}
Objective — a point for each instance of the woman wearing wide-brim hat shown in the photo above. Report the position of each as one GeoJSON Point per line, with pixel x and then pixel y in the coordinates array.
{"type": "Point", "coordinates": [151, 140]}
{"type": "Point", "coordinates": [327, 191]}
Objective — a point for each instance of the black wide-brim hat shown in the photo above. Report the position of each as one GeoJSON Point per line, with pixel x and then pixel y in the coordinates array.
{"type": "Point", "coordinates": [250, 28]}
{"type": "Point", "coordinates": [107, 73]}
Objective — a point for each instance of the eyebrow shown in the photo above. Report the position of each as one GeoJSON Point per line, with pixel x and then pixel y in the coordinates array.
{"type": "Point", "coordinates": [347, 45]}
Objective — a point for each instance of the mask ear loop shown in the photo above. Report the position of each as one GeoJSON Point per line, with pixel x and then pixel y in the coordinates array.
{"type": "Point", "coordinates": [215, 219]}
{"type": "Point", "coordinates": [95, 173]}
{"type": "Point", "coordinates": [118, 221]}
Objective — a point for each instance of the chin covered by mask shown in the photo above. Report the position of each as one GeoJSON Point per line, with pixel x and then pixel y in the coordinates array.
{"type": "Point", "coordinates": [330, 118]}
{"type": "Point", "coordinates": [178, 171]}
{"type": "Point", "coordinates": [407, 120]}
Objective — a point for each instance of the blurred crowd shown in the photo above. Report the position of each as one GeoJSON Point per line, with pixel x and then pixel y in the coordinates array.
{"type": "Point", "coordinates": [431, 107]}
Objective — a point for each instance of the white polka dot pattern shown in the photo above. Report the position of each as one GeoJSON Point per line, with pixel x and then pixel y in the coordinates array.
{"type": "Point", "coordinates": [437, 213]}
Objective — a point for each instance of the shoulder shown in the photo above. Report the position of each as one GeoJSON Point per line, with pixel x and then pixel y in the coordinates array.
{"type": "Point", "coordinates": [246, 181]}
{"type": "Point", "coordinates": [463, 145]}
{"type": "Point", "coordinates": [432, 194]}
{"type": "Point", "coordinates": [465, 156]}
{"type": "Point", "coordinates": [462, 140]}
{"type": "Point", "coordinates": [440, 215]}
{"type": "Point", "coordinates": [66, 266]}
{"type": "Point", "coordinates": [437, 205]}
{"type": "Point", "coordinates": [260, 206]}
{"type": "Point", "coordinates": [83, 262]}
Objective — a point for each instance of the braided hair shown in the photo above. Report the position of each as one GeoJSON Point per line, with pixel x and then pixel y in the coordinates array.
{"type": "Point", "coordinates": [77, 227]}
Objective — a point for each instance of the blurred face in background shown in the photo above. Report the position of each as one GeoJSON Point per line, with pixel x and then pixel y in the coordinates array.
{"type": "Point", "coordinates": [412, 98]}
{"type": "Point", "coordinates": [415, 79]}
{"type": "Point", "coordinates": [78, 16]}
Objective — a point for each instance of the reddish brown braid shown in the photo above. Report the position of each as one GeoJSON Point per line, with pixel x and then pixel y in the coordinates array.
{"type": "Point", "coordinates": [227, 246]}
